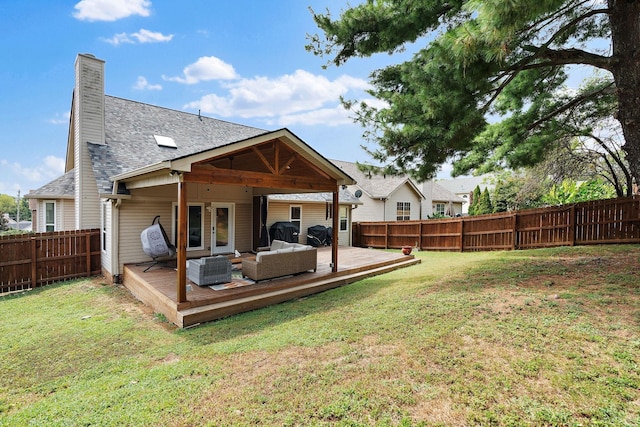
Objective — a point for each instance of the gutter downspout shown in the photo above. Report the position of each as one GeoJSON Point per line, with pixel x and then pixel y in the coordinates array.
{"type": "Point", "coordinates": [115, 235]}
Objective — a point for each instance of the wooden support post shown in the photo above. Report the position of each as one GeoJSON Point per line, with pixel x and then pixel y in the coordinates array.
{"type": "Point", "coordinates": [87, 238]}
{"type": "Point", "coordinates": [181, 282]}
{"type": "Point", "coordinates": [336, 230]}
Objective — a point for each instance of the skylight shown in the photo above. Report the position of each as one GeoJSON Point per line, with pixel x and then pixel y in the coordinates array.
{"type": "Point", "coordinates": [165, 141]}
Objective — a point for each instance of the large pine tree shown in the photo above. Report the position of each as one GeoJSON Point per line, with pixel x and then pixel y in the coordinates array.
{"type": "Point", "coordinates": [506, 59]}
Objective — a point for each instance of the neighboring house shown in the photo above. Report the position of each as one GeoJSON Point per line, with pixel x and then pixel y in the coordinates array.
{"type": "Point", "coordinates": [127, 162]}
{"type": "Point", "coordinates": [384, 198]}
{"type": "Point", "coordinates": [53, 205]}
{"type": "Point", "coordinates": [463, 187]}
{"type": "Point", "coordinates": [13, 224]}
{"type": "Point", "coordinates": [309, 209]}
{"type": "Point", "coordinates": [440, 201]}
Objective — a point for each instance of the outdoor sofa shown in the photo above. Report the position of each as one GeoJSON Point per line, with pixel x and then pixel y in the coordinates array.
{"type": "Point", "coordinates": [282, 259]}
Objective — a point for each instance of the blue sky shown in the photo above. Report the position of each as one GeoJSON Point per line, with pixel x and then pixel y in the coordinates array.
{"type": "Point", "coordinates": [243, 61]}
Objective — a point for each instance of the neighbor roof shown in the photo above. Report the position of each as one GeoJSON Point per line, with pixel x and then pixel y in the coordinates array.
{"type": "Point", "coordinates": [60, 188]}
{"type": "Point", "coordinates": [344, 196]}
{"type": "Point", "coordinates": [130, 127]}
{"type": "Point", "coordinates": [466, 185]}
{"type": "Point", "coordinates": [376, 186]}
{"type": "Point", "coordinates": [441, 194]}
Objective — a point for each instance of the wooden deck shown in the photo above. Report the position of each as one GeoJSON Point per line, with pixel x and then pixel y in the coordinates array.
{"type": "Point", "coordinates": [157, 287]}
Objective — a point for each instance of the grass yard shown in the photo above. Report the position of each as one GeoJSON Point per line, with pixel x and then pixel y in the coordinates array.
{"type": "Point", "coordinates": [541, 337]}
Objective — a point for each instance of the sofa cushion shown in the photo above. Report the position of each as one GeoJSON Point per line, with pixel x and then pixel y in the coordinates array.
{"type": "Point", "coordinates": [285, 250]}
{"type": "Point", "coordinates": [278, 244]}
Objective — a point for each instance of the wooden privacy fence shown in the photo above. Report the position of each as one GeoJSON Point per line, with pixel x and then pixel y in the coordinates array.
{"type": "Point", "coordinates": [587, 223]}
{"type": "Point", "coordinates": [28, 261]}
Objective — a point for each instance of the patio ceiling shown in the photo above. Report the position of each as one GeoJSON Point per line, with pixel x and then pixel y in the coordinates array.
{"type": "Point", "coordinates": [271, 165]}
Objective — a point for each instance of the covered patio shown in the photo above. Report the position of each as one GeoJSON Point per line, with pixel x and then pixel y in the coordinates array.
{"type": "Point", "coordinates": [157, 287]}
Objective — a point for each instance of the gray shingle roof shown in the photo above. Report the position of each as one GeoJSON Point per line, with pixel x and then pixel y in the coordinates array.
{"type": "Point", "coordinates": [376, 186]}
{"type": "Point", "coordinates": [61, 187]}
{"type": "Point", "coordinates": [466, 185]}
{"type": "Point", "coordinates": [130, 145]}
{"type": "Point", "coordinates": [441, 194]}
{"type": "Point", "coordinates": [344, 196]}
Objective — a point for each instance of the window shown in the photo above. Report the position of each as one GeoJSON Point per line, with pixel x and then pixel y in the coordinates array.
{"type": "Point", "coordinates": [439, 209]}
{"type": "Point", "coordinates": [50, 216]}
{"type": "Point", "coordinates": [195, 226]}
{"type": "Point", "coordinates": [403, 211]}
{"type": "Point", "coordinates": [295, 216]}
{"type": "Point", "coordinates": [344, 218]}
{"type": "Point", "coordinates": [104, 227]}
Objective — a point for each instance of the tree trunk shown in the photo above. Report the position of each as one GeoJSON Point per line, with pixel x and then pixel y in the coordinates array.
{"type": "Point", "coordinates": [624, 17]}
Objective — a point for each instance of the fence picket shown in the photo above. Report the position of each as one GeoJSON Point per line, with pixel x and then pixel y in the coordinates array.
{"type": "Point", "coordinates": [30, 261]}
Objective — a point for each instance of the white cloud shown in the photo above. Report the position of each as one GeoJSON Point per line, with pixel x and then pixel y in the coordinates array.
{"type": "Point", "coordinates": [204, 69]}
{"type": "Point", "coordinates": [110, 10]}
{"type": "Point", "coordinates": [295, 97]}
{"type": "Point", "coordinates": [16, 176]}
{"type": "Point", "coordinates": [143, 84]}
{"type": "Point", "coordinates": [336, 116]}
{"type": "Point", "coordinates": [142, 36]}
{"type": "Point", "coordinates": [60, 119]}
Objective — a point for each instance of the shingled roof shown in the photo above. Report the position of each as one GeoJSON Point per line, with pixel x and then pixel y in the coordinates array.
{"type": "Point", "coordinates": [60, 188]}
{"type": "Point", "coordinates": [130, 127]}
{"type": "Point", "coordinates": [344, 196]}
{"type": "Point", "coordinates": [376, 186]}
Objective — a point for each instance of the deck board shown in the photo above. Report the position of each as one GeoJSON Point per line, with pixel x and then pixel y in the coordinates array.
{"type": "Point", "coordinates": [157, 287]}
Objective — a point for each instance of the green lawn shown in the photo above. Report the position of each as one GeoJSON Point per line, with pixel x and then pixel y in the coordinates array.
{"type": "Point", "coordinates": [543, 337]}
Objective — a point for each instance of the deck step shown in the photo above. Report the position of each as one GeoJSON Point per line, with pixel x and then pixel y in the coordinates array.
{"type": "Point", "coordinates": [195, 315]}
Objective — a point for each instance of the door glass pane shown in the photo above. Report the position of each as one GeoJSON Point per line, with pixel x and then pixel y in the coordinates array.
{"type": "Point", "coordinates": [195, 226]}
{"type": "Point", "coordinates": [222, 226]}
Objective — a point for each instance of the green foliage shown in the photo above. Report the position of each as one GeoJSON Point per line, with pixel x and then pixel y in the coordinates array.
{"type": "Point", "coordinates": [475, 200]}
{"type": "Point", "coordinates": [484, 205]}
{"type": "Point", "coordinates": [501, 58]}
{"type": "Point", "coordinates": [3, 222]}
{"type": "Point", "coordinates": [8, 205]}
{"type": "Point", "coordinates": [573, 192]}
{"type": "Point", "coordinates": [517, 190]}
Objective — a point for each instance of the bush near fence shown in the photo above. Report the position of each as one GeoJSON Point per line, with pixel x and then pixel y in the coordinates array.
{"type": "Point", "coordinates": [587, 223]}
{"type": "Point", "coordinates": [28, 261]}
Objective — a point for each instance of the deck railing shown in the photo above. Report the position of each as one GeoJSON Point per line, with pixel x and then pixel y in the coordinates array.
{"type": "Point", "coordinates": [28, 261]}
{"type": "Point", "coordinates": [587, 223]}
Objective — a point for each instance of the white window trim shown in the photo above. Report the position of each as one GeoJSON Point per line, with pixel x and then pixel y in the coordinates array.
{"type": "Point", "coordinates": [346, 218]}
{"type": "Point", "coordinates": [173, 226]}
{"type": "Point", "coordinates": [406, 208]}
{"type": "Point", "coordinates": [44, 217]}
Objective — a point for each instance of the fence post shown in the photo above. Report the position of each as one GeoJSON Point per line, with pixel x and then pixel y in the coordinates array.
{"type": "Point", "coordinates": [461, 234]}
{"type": "Point", "coordinates": [515, 231]}
{"type": "Point", "coordinates": [34, 279]}
{"type": "Point", "coordinates": [386, 235]}
{"type": "Point", "coordinates": [572, 225]}
{"type": "Point", "coordinates": [87, 237]}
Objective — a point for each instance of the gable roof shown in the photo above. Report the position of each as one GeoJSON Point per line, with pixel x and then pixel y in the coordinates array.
{"type": "Point", "coordinates": [441, 194]}
{"type": "Point", "coordinates": [377, 186]}
{"type": "Point", "coordinates": [344, 196]}
{"type": "Point", "coordinates": [130, 145]}
{"type": "Point", "coordinates": [60, 188]}
{"type": "Point", "coordinates": [466, 185]}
